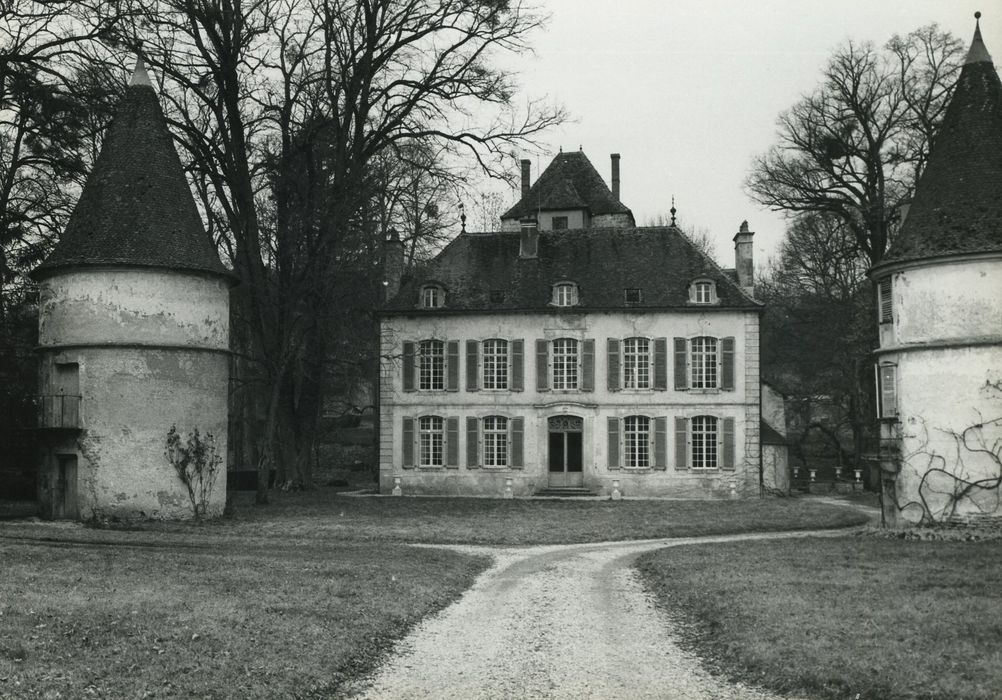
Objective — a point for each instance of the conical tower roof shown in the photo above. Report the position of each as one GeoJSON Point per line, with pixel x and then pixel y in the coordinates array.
{"type": "Point", "coordinates": [136, 209]}
{"type": "Point", "coordinates": [957, 208]}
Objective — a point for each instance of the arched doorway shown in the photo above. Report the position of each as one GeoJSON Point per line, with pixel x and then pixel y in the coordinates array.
{"type": "Point", "coordinates": [566, 451]}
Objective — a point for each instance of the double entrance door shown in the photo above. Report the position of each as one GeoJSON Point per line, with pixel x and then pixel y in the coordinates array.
{"type": "Point", "coordinates": [566, 451]}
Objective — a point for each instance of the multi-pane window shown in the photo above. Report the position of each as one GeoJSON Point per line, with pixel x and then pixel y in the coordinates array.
{"type": "Point", "coordinates": [565, 363]}
{"type": "Point", "coordinates": [703, 363]}
{"type": "Point", "coordinates": [887, 391]}
{"type": "Point", "coordinates": [495, 362]}
{"type": "Point", "coordinates": [431, 365]}
{"type": "Point", "coordinates": [704, 442]}
{"type": "Point", "coordinates": [559, 223]}
{"type": "Point", "coordinates": [565, 294]}
{"type": "Point", "coordinates": [432, 297]}
{"type": "Point", "coordinates": [631, 295]}
{"type": "Point", "coordinates": [636, 363]}
{"type": "Point", "coordinates": [431, 432]}
{"type": "Point", "coordinates": [702, 292]}
{"type": "Point", "coordinates": [637, 441]}
{"type": "Point", "coordinates": [495, 435]}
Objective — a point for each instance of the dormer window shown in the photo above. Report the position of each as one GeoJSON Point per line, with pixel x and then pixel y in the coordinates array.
{"type": "Point", "coordinates": [432, 297]}
{"type": "Point", "coordinates": [631, 296]}
{"type": "Point", "coordinates": [565, 294]}
{"type": "Point", "coordinates": [703, 292]}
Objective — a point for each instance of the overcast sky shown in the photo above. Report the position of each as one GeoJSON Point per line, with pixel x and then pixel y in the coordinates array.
{"type": "Point", "coordinates": [688, 91]}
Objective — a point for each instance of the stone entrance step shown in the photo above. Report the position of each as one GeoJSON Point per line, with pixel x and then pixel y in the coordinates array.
{"type": "Point", "coordinates": [565, 492]}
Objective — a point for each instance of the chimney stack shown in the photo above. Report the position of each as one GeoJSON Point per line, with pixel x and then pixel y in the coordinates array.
{"type": "Point", "coordinates": [743, 262]}
{"type": "Point", "coordinates": [615, 176]}
{"type": "Point", "coordinates": [528, 247]}
{"type": "Point", "coordinates": [525, 176]}
{"type": "Point", "coordinates": [393, 264]}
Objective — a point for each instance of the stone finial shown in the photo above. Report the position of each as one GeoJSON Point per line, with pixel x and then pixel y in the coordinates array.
{"type": "Point", "coordinates": [673, 211]}
{"type": "Point", "coordinates": [978, 53]}
{"type": "Point", "coordinates": [139, 74]}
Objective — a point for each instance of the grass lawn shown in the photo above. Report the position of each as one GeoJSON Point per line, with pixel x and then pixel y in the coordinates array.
{"type": "Point", "coordinates": [521, 522]}
{"type": "Point", "coordinates": [843, 617]}
{"type": "Point", "coordinates": [134, 622]}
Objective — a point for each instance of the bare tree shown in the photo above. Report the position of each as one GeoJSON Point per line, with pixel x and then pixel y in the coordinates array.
{"type": "Point", "coordinates": [855, 146]}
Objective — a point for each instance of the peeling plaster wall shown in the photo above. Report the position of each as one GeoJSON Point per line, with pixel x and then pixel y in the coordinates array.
{"type": "Point", "coordinates": [593, 407]}
{"type": "Point", "coordinates": [946, 340]}
{"type": "Point", "coordinates": [152, 350]}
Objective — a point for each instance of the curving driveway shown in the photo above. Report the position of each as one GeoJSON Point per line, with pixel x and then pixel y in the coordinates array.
{"type": "Point", "coordinates": [569, 621]}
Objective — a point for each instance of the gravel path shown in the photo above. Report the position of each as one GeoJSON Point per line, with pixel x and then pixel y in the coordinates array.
{"type": "Point", "coordinates": [566, 621]}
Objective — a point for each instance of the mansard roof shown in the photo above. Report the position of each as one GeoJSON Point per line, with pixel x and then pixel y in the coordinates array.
{"type": "Point", "coordinates": [957, 207]}
{"type": "Point", "coordinates": [570, 181]}
{"type": "Point", "coordinates": [136, 209]}
{"type": "Point", "coordinates": [482, 272]}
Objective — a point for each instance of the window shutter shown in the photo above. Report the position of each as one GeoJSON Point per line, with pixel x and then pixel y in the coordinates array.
{"type": "Point", "coordinates": [661, 364]}
{"type": "Point", "coordinates": [681, 444]}
{"type": "Point", "coordinates": [588, 365]}
{"type": "Point", "coordinates": [727, 364]}
{"type": "Point", "coordinates": [612, 354]}
{"type": "Point", "coordinates": [613, 443]}
{"type": "Point", "coordinates": [472, 442]}
{"type": "Point", "coordinates": [542, 365]}
{"type": "Point", "coordinates": [727, 438]}
{"type": "Point", "coordinates": [408, 443]}
{"type": "Point", "coordinates": [681, 364]}
{"type": "Point", "coordinates": [517, 438]}
{"type": "Point", "coordinates": [887, 398]}
{"type": "Point", "coordinates": [472, 365]}
{"type": "Point", "coordinates": [408, 366]}
{"type": "Point", "coordinates": [885, 300]}
{"type": "Point", "coordinates": [517, 365]}
{"type": "Point", "coordinates": [661, 443]}
{"type": "Point", "coordinates": [452, 365]}
{"type": "Point", "coordinates": [452, 442]}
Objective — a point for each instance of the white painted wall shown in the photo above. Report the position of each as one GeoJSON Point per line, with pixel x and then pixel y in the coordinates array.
{"type": "Point", "coordinates": [594, 407]}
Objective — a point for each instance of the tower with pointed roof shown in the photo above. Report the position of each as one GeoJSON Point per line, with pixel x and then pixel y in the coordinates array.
{"type": "Point", "coordinates": [133, 331]}
{"type": "Point", "coordinates": [939, 297]}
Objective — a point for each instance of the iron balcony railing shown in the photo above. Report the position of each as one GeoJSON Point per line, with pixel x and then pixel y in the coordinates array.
{"type": "Point", "coordinates": [59, 411]}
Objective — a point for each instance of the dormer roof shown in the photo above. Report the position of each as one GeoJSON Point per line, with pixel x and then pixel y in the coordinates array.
{"type": "Point", "coordinates": [957, 207]}
{"type": "Point", "coordinates": [570, 181]}
{"type": "Point", "coordinates": [136, 209]}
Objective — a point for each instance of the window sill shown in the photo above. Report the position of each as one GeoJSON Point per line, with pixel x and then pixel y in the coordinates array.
{"type": "Point", "coordinates": [705, 391]}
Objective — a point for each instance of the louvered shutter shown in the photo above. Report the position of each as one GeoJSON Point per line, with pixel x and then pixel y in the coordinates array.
{"type": "Point", "coordinates": [472, 442]}
{"type": "Point", "coordinates": [612, 353]}
{"type": "Point", "coordinates": [681, 444]}
{"type": "Point", "coordinates": [542, 365]}
{"type": "Point", "coordinates": [727, 364]}
{"type": "Point", "coordinates": [661, 364]}
{"type": "Point", "coordinates": [452, 365]}
{"type": "Point", "coordinates": [408, 443]}
{"type": "Point", "coordinates": [681, 364]}
{"type": "Point", "coordinates": [613, 443]}
{"type": "Point", "coordinates": [727, 440]}
{"type": "Point", "coordinates": [472, 365]}
{"type": "Point", "coordinates": [517, 365]}
{"type": "Point", "coordinates": [517, 452]}
{"type": "Point", "coordinates": [885, 300]}
{"type": "Point", "coordinates": [408, 365]}
{"type": "Point", "coordinates": [661, 443]}
{"type": "Point", "coordinates": [588, 365]}
{"type": "Point", "coordinates": [452, 442]}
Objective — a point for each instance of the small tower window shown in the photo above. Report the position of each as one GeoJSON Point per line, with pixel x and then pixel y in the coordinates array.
{"type": "Point", "coordinates": [703, 292]}
{"type": "Point", "coordinates": [885, 300]}
{"type": "Point", "coordinates": [432, 297]}
{"type": "Point", "coordinates": [565, 294]}
{"type": "Point", "coordinates": [631, 296]}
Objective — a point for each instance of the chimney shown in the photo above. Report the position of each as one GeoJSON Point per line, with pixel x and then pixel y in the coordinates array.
{"type": "Point", "coordinates": [529, 240]}
{"type": "Point", "coordinates": [743, 262]}
{"type": "Point", "coordinates": [393, 264]}
{"type": "Point", "coordinates": [525, 176]}
{"type": "Point", "coordinates": [615, 176]}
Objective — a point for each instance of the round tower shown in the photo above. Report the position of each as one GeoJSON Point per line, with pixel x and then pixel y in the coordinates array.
{"type": "Point", "coordinates": [133, 332]}
{"type": "Point", "coordinates": [939, 294]}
